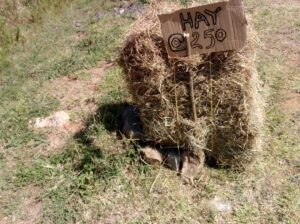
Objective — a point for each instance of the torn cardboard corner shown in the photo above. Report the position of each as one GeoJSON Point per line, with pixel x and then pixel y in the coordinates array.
{"type": "Point", "coordinates": [214, 27]}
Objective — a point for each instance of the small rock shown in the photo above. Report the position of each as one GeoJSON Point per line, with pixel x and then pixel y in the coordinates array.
{"type": "Point", "coordinates": [78, 24]}
{"type": "Point", "coordinates": [191, 165]}
{"type": "Point", "coordinates": [58, 119]}
{"type": "Point", "coordinates": [218, 204]}
{"type": "Point", "coordinates": [152, 155]}
{"type": "Point", "coordinates": [131, 125]}
{"type": "Point", "coordinates": [121, 11]}
{"type": "Point", "coordinates": [100, 15]}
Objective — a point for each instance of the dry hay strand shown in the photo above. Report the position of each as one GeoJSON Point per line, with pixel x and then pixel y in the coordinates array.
{"type": "Point", "coordinates": [226, 86]}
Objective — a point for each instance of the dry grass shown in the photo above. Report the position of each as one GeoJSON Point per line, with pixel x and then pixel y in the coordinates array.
{"type": "Point", "coordinates": [226, 86]}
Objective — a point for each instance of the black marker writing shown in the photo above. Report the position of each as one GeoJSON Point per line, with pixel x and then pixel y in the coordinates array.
{"type": "Point", "coordinates": [184, 21]}
{"type": "Point", "coordinates": [195, 20]}
{"type": "Point", "coordinates": [220, 35]}
{"type": "Point", "coordinates": [200, 18]}
{"type": "Point", "coordinates": [178, 43]}
{"type": "Point", "coordinates": [207, 34]}
{"type": "Point", "coordinates": [194, 42]}
{"type": "Point", "coordinates": [213, 14]}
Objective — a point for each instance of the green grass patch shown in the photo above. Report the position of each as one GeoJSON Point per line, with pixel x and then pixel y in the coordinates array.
{"type": "Point", "coordinates": [53, 50]}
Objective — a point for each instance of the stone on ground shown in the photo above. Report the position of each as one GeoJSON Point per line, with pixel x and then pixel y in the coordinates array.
{"type": "Point", "coordinates": [58, 119]}
{"type": "Point", "coordinates": [218, 204]}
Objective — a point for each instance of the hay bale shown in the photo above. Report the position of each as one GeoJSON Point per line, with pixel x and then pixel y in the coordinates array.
{"type": "Point", "coordinates": [226, 89]}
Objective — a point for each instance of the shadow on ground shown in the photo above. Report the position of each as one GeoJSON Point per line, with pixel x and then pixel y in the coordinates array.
{"type": "Point", "coordinates": [108, 114]}
{"type": "Point", "coordinates": [92, 157]}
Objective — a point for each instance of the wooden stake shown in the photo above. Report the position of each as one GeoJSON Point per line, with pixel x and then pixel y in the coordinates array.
{"type": "Point", "coordinates": [191, 77]}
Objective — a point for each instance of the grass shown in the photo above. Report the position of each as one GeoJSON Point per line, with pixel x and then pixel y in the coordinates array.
{"type": "Point", "coordinates": [44, 63]}
{"type": "Point", "coordinates": [96, 177]}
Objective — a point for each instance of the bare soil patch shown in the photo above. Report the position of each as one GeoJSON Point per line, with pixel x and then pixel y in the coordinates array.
{"type": "Point", "coordinates": [29, 209]}
{"type": "Point", "coordinates": [77, 95]}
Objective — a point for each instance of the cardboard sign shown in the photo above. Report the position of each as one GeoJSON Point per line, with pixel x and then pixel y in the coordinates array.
{"type": "Point", "coordinates": [215, 27]}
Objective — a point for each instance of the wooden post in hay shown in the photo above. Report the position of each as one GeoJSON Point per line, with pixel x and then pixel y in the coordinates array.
{"type": "Point", "coordinates": [191, 77]}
